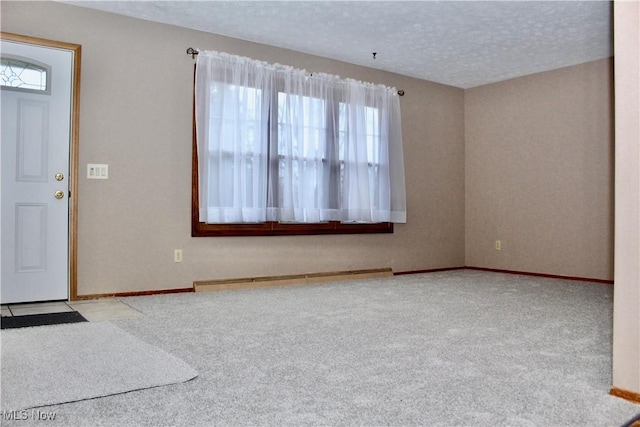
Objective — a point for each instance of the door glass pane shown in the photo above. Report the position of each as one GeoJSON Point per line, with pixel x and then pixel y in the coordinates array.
{"type": "Point", "coordinates": [22, 75]}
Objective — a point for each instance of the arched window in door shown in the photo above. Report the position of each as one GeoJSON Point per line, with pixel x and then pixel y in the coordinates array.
{"type": "Point", "coordinates": [22, 74]}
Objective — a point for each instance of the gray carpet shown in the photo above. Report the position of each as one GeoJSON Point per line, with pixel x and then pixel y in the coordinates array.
{"type": "Point", "coordinates": [56, 364]}
{"type": "Point", "coordinates": [460, 348]}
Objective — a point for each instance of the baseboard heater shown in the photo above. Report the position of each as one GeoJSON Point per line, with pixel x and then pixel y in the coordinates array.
{"type": "Point", "coordinates": [295, 279]}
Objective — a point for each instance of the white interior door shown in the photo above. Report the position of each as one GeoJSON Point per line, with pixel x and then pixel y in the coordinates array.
{"type": "Point", "coordinates": [36, 131]}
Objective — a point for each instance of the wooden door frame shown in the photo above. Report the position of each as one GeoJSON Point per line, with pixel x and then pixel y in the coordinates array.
{"type": "Point", "coordinates": [76, 49]}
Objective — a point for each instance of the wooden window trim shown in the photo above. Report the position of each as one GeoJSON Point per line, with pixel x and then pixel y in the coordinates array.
{"type": "Point", "coordinates": [269, 228]}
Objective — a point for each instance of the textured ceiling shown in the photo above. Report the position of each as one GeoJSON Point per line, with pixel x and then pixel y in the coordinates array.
{"type": "Point", "coordinates": [458, 43]}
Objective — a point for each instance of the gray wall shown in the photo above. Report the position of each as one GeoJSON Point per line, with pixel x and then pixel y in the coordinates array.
{"type": "Point", "coordinates": [136, 113]}
{"type": "Point", "coordinates": [527, 161]}
{"type": "Point", "coordinates": [539, 172]}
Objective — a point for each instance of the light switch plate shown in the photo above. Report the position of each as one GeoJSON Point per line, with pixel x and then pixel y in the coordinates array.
{"type": "Point", "coordinates": [97, 171]}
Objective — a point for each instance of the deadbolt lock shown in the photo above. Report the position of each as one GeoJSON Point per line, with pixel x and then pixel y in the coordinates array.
{"type": "Point", "coordinates": [59, 177]}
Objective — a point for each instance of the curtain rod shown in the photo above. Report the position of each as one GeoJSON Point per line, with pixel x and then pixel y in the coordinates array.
{"type": "Point", "coordinates": [191, 51]}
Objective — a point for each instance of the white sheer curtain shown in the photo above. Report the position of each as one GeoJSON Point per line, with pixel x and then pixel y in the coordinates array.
{"type": "Point", "coordinates": [232, 118]}
{"type": "Point", "coordinates": [302, 189]}
{"type": "Point", "coordinates": [278, 144]}
{"type": "Point", "coordinates": [370, 141]}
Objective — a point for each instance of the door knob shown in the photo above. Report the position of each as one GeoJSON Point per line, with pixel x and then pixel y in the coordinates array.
{"type": "Point", "coordinates": [59, 194]}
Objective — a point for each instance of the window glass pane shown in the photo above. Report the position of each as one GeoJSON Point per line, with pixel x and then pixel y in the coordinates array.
{"type": "Point", "coordinates": [301, 126]}
{"type": "Point", "coordinates": [235, 109]}
{"type": "Point", "coordinates": [302, 150]}
{"type": "Point", "coordinates": [235, 145]}
{"type": "Point", "coordinates": [366, 118]}
{"type": "Point", "coordinates": [19, 74]}
{"type": "Point", "coordinates": [373, 134]}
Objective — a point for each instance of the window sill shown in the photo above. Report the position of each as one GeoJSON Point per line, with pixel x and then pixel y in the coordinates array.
{"type": "Point", "coordinates": [200, 229]}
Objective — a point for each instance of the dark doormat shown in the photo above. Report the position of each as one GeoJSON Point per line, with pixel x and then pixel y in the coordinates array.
{"type": "Point", "coordinates": [41, 320]}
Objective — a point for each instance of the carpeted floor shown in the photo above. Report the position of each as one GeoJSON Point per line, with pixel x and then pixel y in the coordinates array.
{"type": "Point", "coordinates": [441, 349]}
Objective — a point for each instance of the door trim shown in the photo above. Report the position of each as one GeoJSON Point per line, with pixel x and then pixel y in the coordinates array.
{"type": "Point", "coordinates": [73, 147]}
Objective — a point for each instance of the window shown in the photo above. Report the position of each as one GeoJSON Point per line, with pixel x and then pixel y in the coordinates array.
{"type": "Point", "coordinates": [279, 151]}
{"type": "Point", "coordinates": [24, 75]}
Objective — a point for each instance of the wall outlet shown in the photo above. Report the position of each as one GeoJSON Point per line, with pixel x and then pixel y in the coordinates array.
{"type": "Point", "coordinates": [498, 245]}
{"type": "Point", "coordinates": [177, 255]}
